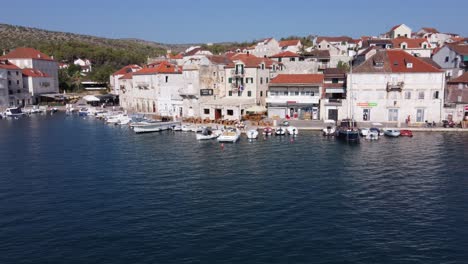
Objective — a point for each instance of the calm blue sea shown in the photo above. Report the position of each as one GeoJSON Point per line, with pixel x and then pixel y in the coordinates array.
{"type": "Point", "coordinates": [75, 190]}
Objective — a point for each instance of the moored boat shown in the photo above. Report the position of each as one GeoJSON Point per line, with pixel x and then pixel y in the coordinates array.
{"type": "Point", "coordinates": [406, 133]}
{"type": "Point", "coordinates": [147, 127]}
{"type": "Point", "coordinates": [330, 128]}
{"type": "Point", "coordinates": [13, 112]}
{"type": "Point", "coordinates": [267, 131]}
{"type": "Point", "coordinates": [252, 134]}
{"type": "Point", "coordinates": [206, 134]}
{"type": "Point", "coordinates": [229, 135]}
{"type": "Point", "coordinates": [392, 132]}
{"type": "Point", "coordinates": [280, 131]}
{"type": "Point", "coordinates": [293, 131]}
{"type": "Point", "coordinates": [348, 131]}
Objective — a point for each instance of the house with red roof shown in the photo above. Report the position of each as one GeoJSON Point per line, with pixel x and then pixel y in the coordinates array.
{"type": "Point", "coordinates": [33, 59]}
{"type": "Point", "coordinates": [333, 100]}
{"type": "Point", "coordinates": [456, 99]}
{"type": "Point", "coordinates": [295, 96]}
{"type": "Point", "coordinates": [292, 45]}
{"type": "Point", "coordinates": [12, 91]}
{"type": "Point", "coordinates": [265, 47]}
{"type": "Point", "coordinates": [400, 30]}
{"type": "Point", "coordinates": [154, 89]}
{"type": "Point", "coordinates": [313, 61]}
{"type": "Point", "coordinates": [37, 83]}
{"type": "Point", "coordinates": [114, 79]}
{"type": "Point", "coordinates": [418, 47]}
{"type": "Point", "coordinates": [453, 58]}
{"type": "Point", "coordinates": [395, 87]}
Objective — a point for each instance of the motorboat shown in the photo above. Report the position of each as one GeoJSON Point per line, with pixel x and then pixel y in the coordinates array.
{"type": "Point", "coordinates": [348, 131]}
{"type": "Point", "coordinates": [372, 134]}
{"type": "Point", "coordinates": [392, 132]}
{"type": "Point", "coordinates": [229, 135]}
{"type": "Point", "coordinates": [267, 131]}
{"type": "Point", "coordinates": [54, 110]}
{"type": "Point", "coordinates": [378, 127]}
{"type": "Point", "coordinates": [364, 131]}
{"type": "Point", "coordinates": [83, 112]}
{"type": "Point", "coordinates": [154, 126]}
{"type": "Point", "coordinates": [330, 128]}
{"type": "Point", "coordinates": [206, 134]}
{"type": "Point", "coordinates": [280, 131]}
{"type": "Point", "coordinates": [13, 112]}
{"type": "Point", "coordinates": [406, 133]}
{"type": "Point", "coordinates": [177, 128]}
{"type": "Point", "coordinates": [120, 119]}
{"type": "Point", "coordinates": [196, 129]}
{"type": "Point", "coordinates": [185, 128]}
{"type": "Point", "coordinates": [293, 131]}
{"type": "Point", "coordinates": [252, 134]}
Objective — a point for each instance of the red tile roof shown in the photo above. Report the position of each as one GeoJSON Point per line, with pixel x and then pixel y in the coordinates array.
{"type": "Point", "coordinates": [162, 67]}
{"type": "Point", "coordinates": [335, 39]}
{"type": "Point", "coordinates": [34, 73]}
{"type": "Point", "coordinates": [127, 69]}
{"type": "Point", "coordinates": [460, 79]}
{"type": "Point", "coordinates": [285, 54]}
{"type": "Point", "coordinates": [26, 53]}
{"type": "Point", "coordinates": [250, 61]}
{"type": "Point", "coordinates": [411, 43]}
{"type": "Point", "coordinates": [385, 61]}
{"type": "Point", "coordinates": [430, 30]}
{"type": "Point", "coordinates": [5, 64]}
{"type": "Point", "coordinates": [395, 27]}
{"type": "Point", "coordinates": [298, 79]}
{"type": "Point", "coordinates": [175, 57]}
{"type": "Point", "coordinates": [461, 49]}
{"type": "Point", "coordinates": [127, 76]}
{"type": "Point", "coordinates": [286, 43]}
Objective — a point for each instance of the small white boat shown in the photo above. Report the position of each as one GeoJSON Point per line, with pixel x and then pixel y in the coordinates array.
{"type": "Point", "coordinates": [13, 112]}
{"type": "Point", "coordinates": [229, 135]}
{"type": "Point", "coordinates": [177, 128]}
{"type": "Point", "coordinates": [372, 135]}
{"type": "Point", "coordinates": [293, 131]}
{"type": "Point", "coordinates": [153, 126]}
{"type": "Point", "coordinates": [280, 131]}
{"type": "Point", "coordinates": [364, 132]}
{"type": "Point", "coordinates": [330, 128]}
{"type": "Point", "coordinates": [83, 112]}
{"type": "Point", "coordinates": [392, 132]}
{"type": "Point", "coordinates": [196, 129]}
{"type": "Point", "coordinates": [252, 134]}
{"type": "Point", "coordinates": [206, 134]}
{"type": "Point", "coordinates": [267, 131]}
{"type": "Point", "coordinates": [185, 128]}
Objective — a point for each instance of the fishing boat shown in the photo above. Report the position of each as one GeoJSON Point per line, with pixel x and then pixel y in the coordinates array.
{"type": "Point", "coordinates": [206, 134]}
{"type": "Point", "coordinates": [293, 131]}
{"type": "Point", "coordinates": [330, 128]}
{"type": "Point", "coordinates": [406, 133]}
{"type": "Point", "coordinates": [229, 135]}
{"type": "Point", "coordinates": [252, 134]}
{"type": "Point", "coordinates": [392, 132]}
{"type": "Point", "coordinates": [267, 131]}
{"type": "Point", "coordinates": [347, 131]}
{"type": "Point", "coordinates": [280, 131]}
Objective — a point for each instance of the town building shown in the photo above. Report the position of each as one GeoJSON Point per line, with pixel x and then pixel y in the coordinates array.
{"type": "Point", "coordinates": [295, 96]}
{"type": "Point", "coordinates": [418, 47]}
{"type": "Point", "coordinates": [314, 61]}
{"type": "Point", "coordinates": [396, 87]}
{"type": "Point", "coordinates": [33, 59]}
{"type": "Point", "coordinates": [456, 99]}
{"type": "Point", "coordinates": [293, 45]}
{"type": "Point", "coordinates": [453, 58]}
{"type": "Point", "coordinates": [397, 31]}
{"type": "Point", "coordinates": [37, 83]}
{"type": "Point", "coordinates": [333, 100]}
{"type": "Point", "coordinates": [266, 47]}
{"type": "Point", "coordinates": [85, 65]}
{"type": "Point", "coordinates": [114, 80]}
{"type": "Point", "coordinates": [12, 91]}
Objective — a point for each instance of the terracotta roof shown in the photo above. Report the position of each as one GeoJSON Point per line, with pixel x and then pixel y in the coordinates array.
{"type": "Point", "coordinates": [430, 30]}
{"type": "Point", "coordinates": [219, 59]}
{"type": "Point", "coordinates": [193, 51]}
{"type": "Point", "coordinates": [460, 79]}
{"type": "Point", "coordinates": [26, 53]}
{"type": "Point", "coordinates": [386, 61]}
{"type": "Point", "coordinates": [298, 79]}
{"type": "Point", "coordinates": [461, 49]}
{"type": "Point", "coordinates": [285, 54]}
{"type": "Point", "coordinates": [175, 57]}
{"type": "Point", "coordinates": [5, 64]}
{"type": "Point", "coordinates": [395, 27]}
{"type": "Point", "coordinates": [162, 67]}
{"type": "Point", "coordinates": [34, 73]}
{"type": "Point", "coordinates": [250, 61]}
{"type": "Point", "coordinates": [127, 76]}
{"type": "Point", "coordinates": [333, 71]}
{"type": "Point", "coordinates": [286, 43]}
{"type": "Point", "coordinates": [127, 69]}
{"type": "Point", "coordinates": [411, 43]}
{"type": "Point", "coordinates": [431, 62]}
{"type": "Point", "coordinates": [335, 39]}
{"type": "Point", "coordinates": [324, 54]}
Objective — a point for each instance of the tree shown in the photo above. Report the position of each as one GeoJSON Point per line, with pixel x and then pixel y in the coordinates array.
{"type": "Point", "coordinates": [343, 66]}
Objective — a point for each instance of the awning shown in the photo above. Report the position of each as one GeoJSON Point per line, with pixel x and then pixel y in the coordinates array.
{"type": "Point", "coordinates": [91, 98]}
{"type": "Point", "coordinates": [256, 109]}
{"type": "Point", "coordinates": [334, 90]}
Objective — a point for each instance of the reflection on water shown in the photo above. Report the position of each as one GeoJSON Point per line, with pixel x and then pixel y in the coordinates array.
{"type": "Point", "coordinates": [74, 190]}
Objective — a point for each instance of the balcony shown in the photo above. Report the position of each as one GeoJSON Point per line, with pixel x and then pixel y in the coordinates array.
{"type": "Point", "coordinates": [184, 92]}
{"type": "Point", "coordinates": [333, 102]}
{"type": "Point", "coordinates": [238, 73]}
{"type": "Point", "coordinates": [284, 99]}
{"type": "Point", "coordinates": [395, 86]}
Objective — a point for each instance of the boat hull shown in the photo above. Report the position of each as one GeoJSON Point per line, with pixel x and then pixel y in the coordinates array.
{"type": "Point", "coordinates": [348, 135]}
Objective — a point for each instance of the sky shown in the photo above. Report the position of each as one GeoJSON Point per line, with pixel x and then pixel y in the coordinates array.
{"type": "Point", "coordinates": [207, 21]}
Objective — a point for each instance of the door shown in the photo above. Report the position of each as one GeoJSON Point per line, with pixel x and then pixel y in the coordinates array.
{"type": "Point", "coordinates": [420, 115]}
{"type": "Point", "coordinates": [333, 114]}
{"type": "Point", "coordinates": [365, 114]}
{"type": "Point", "coordinates": [218, 114]}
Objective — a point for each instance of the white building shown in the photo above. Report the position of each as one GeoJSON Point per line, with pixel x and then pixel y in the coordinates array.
{"type": "Point", "coordinates": [12, 91]}
{"type": "Point", "coordinates": [401, 30]}
{"type": "Point", "coordinates": [114, 79]}
{"type": "Point", "coordinates": [295, 96]}
{"type": "Point", "coordinates": [393, 86]}
{"type": "Point", "coordinates": [418, 47]}
{"type": "Point", "coordinates": [293, 45]}
{"type": "Point", "coordinates": [85, 64]}
{"type": "Point", "coordinates": [37, 83]}
{"type": "Point", "coordinates": [266, 47]}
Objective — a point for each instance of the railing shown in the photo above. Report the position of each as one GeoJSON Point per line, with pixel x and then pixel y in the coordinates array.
{"type": "Point", "coordinates": [333, 101]}
{"type": "Point", "coordinates": [237, 72]}
{"type": "Point", "coordinates": [395, 87]}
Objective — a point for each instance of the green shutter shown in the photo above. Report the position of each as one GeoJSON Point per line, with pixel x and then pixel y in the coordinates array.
{"type": "Point", "coordinates": [230, 80]}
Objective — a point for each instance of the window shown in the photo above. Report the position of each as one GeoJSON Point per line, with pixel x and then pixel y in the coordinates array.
{"type": "Point", "coordinates": [436, 95]}
{"type": "Point", "coordinates": [301, 58]}
{"type": "Point", "coordinates": [239, 93]}
{"type": "Point", "coordinates": [272, 93]}
{"type": "Point", "coordinates": [249, 93]}
{"type": "Point", "coordinates": [230, 93]}
{"type": "Point", "coordinates": [285, 93]}
{"type": "Point", "coordinates": [261, 80]}
{"type": "Point", "coordinates": [424, 46]}
{"type": "Point", "coordinates": [9, 82]}
{"type": "Point", "coordinates": [17, 73]}
{"type": "Point", "coordinates": [246, 80]}
{"type": "Point", "coordinates": [222, 79]}
{"type": "Point", "coordinates": [263, 66]}
{"type": "Point", "coordinates": [230, 80]}
{"type": "Point", "coordinates": [9, 73]}
{"type": "Point", "coordinates": [335, 80]}
{"type": "Point", "coordinates": [403, 46]}
{"type": "Point", "coordinates": [206, 111]}
{"type": "Point", "coordinates": [292, 59]}
{"type": "Point", "coordinates": [421, 95]}
{"type": "Point", "coordinates": [447, 59]}
{"type": "Point", "coordinates": [392, 115]}
{"type": "Point", "coordinates": [407, 95]}
{"type": "Point", "coordinates": [320, 46]}
{"type": "Point", "coordinates": [230, 112]}
{"type": "Point", "coordinates": [17, 82]}
{"type": "Point", "coordinates": [420, 115]}
{"type": "Point", "coordinates": [18, 91]}
{"type": "Point", "coordinates": [214, 74]}
{"type": "Point", "coordinates": [365, 114]}
{"type": "Point", "coordinates": [267, 79]}
{"type": "Point", "coordinates": [399, 35]}
{"type": "Point", "coordinates": [279, 59]}
{"type": "Point", "coordinates": [167, 78]}
{"type": "Point", "coordinates": [261, 93]}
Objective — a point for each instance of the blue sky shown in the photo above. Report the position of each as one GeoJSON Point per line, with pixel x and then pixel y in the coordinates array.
{"type": "Point", "coordinates": [192, 21]}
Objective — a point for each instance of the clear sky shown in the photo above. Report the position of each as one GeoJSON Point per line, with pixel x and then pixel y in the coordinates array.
{"type": "Point", "coordinates": [192, 21]}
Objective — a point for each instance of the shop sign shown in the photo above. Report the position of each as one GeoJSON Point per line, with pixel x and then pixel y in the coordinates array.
{"type": "Point", "coordinates": [367, 104]}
